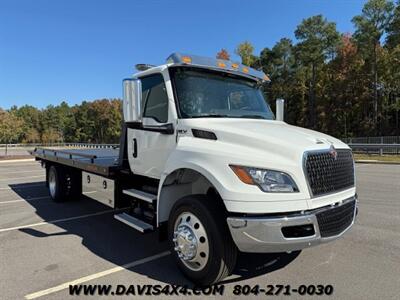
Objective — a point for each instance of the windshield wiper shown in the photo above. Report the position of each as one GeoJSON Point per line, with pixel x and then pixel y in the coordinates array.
{"type": "Point", "coordinates": [227, 116]}
{"type": "Point", "coordinates": [252, 117]}
{"type": "Point", "coordinates": [211, 116]}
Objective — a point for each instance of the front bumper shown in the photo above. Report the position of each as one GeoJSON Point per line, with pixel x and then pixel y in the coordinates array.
{"type": "Point", "coordinates": [265, 234]}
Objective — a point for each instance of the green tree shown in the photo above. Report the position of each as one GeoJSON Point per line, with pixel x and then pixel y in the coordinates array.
{"type": "Point", "coordinates": [279, 62]}
{"type": "Point", "coordinates": [31, 125]}
{"type": "Point", "coordinates": [245, 51]}
{"type": "Point", "coordinates": [370, 26]}
{"type": "Point", "coordinates": [390, 76]}
{"type": "Point", "coordinates": [100, 121]}
{"type": "Point", "coordinates": [393, 29]}
{"type": "Point", "coordinates": [318, 40]}
{"type": "Point", "coordinates": [10, 128]}
{"type": "Point", "coordinates": [51, 135]}
{"type": "Point", "coordinates": [343, 87]}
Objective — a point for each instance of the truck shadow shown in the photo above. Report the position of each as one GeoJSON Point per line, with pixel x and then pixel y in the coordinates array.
{"type": "Point", "coordinates": [120, 244]}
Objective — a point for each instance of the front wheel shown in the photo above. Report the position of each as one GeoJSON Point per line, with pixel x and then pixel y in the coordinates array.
{"type": "Point", "coordinates": [200, 240]}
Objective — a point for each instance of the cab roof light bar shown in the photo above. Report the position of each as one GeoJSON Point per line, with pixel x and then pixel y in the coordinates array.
{"type": "Point", "coordinates": [185, 59]}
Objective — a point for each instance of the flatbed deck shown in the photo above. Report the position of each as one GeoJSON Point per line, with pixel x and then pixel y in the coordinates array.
{"type": "Point", "coordinates": [104, 161]}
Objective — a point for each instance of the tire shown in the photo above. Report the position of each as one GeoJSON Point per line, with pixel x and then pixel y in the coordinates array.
{"type": "Point", "coordinates": [57, 183]}
{"type": "Point", "coordinates": [212, 234]}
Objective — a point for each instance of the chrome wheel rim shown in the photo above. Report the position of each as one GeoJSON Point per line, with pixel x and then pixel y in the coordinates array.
{"type": "Point", "coordinates": [191, 241]}
{"type": "Point", "coordinates": [52, 184]}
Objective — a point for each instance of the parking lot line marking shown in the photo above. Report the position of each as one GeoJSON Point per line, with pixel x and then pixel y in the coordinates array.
{"type": "Point", "coordinates": [96, 275]}
{"type": "Point", "coordinates": [16, 160]}
{"type": "Point", "coordinates": [59, 220]}
{"type": "Point", "coordinates": [36, 198]}
{"type": "Point", "coordinates": [25, 200]}
{"type": "Point", "coordinates": [26, 177]}
{"type": "Point", "coordinates": [22, 187]}
{"type": "Point", "coordinates": [31, 171]}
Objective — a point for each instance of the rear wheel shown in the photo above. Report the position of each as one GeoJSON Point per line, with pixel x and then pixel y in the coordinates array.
{"type": "Point", "coordinates": [64, 183]}
{"type": "Point", "coordinates": [57, 184]}
{"type": "Point", "coordinates": [200, 240]}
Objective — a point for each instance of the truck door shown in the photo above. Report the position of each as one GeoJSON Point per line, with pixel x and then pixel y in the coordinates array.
{"type": "Point", "coordinates": [148, 147]}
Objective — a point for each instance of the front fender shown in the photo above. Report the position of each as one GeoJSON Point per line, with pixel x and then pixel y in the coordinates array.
{"type": "Point", "coordinates": [168, 195]}
{"type": "Point", "coordinates": [212, 159]}
{"type": "Point", "coordinates": [202, 167]}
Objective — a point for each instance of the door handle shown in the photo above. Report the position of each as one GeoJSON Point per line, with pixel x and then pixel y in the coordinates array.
{"type": "Point", "coordinates": [134, 148]}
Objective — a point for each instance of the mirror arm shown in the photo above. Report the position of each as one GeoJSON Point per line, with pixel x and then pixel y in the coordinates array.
{"type": "Point", "coordinates": [163, 129]}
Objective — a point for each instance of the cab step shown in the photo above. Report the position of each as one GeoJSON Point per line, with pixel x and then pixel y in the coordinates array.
{"type": "Point", "coordinates": [133, 222]}
{"type": "Point", "coordinates": [150, 198]}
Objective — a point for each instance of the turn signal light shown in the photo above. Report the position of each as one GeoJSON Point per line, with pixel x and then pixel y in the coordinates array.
{"type": "Point", "coordinates": [242, 174]}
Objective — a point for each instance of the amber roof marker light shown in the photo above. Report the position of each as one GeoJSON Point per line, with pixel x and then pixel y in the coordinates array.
{"type": "Point", "coordinates": [221, 64]}
{"type": "Point", "coordinates": [213, 63]}
{"type": "Point", "coordinates": [187, 59]}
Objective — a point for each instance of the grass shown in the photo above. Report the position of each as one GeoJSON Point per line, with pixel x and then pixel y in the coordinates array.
{"type": "Point", "coordinates": [388, 158]}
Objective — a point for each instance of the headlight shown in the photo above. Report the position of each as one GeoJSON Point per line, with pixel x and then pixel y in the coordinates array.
{"type": "Point", "coordinates": [267, 180]}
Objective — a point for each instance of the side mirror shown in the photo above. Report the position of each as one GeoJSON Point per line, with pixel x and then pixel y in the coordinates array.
{"type": "Point", "coordinates": [280, 103]}
{"type": "Point", "coordinates": [132, 103]}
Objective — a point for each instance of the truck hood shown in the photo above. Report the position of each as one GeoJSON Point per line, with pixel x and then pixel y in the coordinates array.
{"type": "Point", "coordinates": [265, 135]}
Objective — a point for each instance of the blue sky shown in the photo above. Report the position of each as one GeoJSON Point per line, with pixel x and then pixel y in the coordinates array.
{"type": "Point", "coordinates": [53, 50]}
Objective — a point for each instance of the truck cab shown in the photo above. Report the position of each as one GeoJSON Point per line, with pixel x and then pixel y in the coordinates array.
{"type": "Point", "coordinates": [218, 173]}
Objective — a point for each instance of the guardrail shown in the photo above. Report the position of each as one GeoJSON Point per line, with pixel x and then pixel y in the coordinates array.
{"type": "Point", "coordinates": [380, 149]}
{"type": "Point", "coordinates": [375, 144]}
{"type": "Point", "coordinates": [84, 145]}
{"type": "Point", "coordinates": [22, 149]}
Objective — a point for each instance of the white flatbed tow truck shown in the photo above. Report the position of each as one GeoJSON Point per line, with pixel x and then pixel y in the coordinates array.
{"type": "Point", "coordinates": [203, 161]}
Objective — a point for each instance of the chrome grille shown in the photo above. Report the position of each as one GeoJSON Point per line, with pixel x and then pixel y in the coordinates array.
{"type": "Point", "coordinates": [325, 174]}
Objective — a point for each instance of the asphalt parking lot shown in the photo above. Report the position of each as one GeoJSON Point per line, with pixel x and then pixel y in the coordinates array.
{"type": "Point", "coordinates": [15, 151]}
{"type": "Point", "coordinates": [44, 246]}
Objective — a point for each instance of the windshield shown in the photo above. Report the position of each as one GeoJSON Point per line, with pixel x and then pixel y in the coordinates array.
{"type": "Point", "coordinates": [205, 94]}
